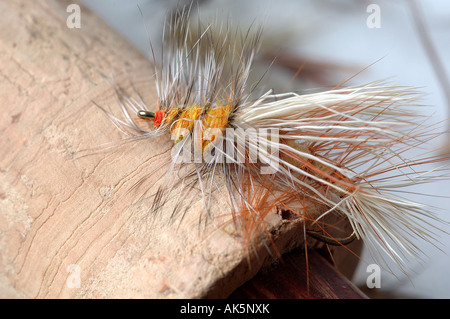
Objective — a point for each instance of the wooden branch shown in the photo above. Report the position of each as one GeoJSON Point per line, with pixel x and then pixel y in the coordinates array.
{"type": "Point", "coordinates": [294, 279]}
{"type": "Point", "coordinates": [74, 227]}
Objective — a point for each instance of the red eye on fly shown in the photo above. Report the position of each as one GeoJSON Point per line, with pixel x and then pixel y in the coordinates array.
{"type": "Point", "coordinates": [158, 118]}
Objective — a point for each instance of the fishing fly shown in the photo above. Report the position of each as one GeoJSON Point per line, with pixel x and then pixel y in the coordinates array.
{"type": "Point", "coordinates": [344, 149]}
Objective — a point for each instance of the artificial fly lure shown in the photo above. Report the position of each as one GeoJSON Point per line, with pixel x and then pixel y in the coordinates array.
{"type": "Point", "coordinates": [344, 149]}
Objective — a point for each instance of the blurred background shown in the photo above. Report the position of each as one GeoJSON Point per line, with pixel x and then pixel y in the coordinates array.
{"type": "Point", "coordinates": [406, 42]}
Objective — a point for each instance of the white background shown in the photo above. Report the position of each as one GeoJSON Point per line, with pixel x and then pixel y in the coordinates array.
{"type": "Point", "coordinates": [336, 31]}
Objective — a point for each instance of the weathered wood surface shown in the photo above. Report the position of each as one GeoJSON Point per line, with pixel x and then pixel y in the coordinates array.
{"type": "Point", "coordinates": [63, 216]}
